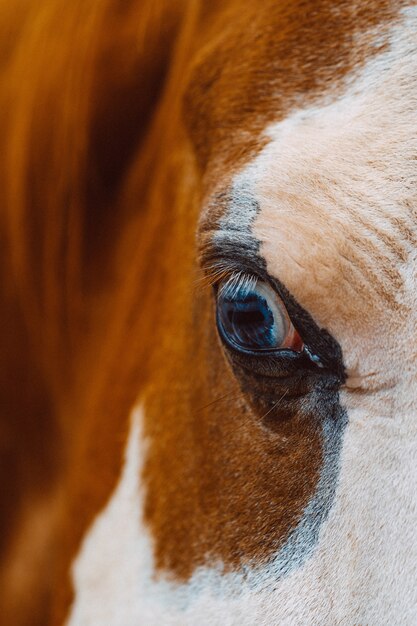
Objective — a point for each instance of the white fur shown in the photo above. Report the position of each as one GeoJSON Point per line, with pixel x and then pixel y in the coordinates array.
{"type": "Point", "coordinates": [329, 173]}
{"type": "Point", "coordinates": [363, 571]}
{"type": "Point", "coordinates": [332, 183]}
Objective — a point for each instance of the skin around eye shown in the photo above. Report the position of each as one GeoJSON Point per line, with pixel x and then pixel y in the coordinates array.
{"type": "Point", "coordinates": [251, 316]}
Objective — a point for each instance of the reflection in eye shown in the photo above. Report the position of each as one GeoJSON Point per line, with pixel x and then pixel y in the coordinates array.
{"type": "Point", "coordinates": [251, 316]}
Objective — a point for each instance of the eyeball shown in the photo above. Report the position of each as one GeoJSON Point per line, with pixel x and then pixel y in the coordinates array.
{"type": "Point", "coordinates": [252, 317]}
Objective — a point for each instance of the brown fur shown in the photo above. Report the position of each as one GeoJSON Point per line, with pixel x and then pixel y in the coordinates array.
{"type": "Point", "coordinates": [100, 196]}
{"type": "Point", "coordinates": [256, 63]}
{"type": "Point", "coordinates": [220, 486]}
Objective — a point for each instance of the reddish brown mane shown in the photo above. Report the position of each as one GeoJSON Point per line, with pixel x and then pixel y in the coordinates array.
{"type": "Point", "coordinates": [80, 83]}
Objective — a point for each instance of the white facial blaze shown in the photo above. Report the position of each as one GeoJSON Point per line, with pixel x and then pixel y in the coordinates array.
{"type": "Point", "coordinates": [337, 190]}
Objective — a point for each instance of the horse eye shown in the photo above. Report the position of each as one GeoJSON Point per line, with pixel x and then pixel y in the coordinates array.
{"type": "Point", "coordinates": [251, 316]}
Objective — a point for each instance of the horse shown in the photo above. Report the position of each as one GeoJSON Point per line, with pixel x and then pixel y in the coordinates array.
{"type": "Point", "coordinates": [208, 278]}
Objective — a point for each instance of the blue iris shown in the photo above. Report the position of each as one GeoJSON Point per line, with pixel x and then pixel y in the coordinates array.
{"type": "Point", "coordinates": [249, 319]}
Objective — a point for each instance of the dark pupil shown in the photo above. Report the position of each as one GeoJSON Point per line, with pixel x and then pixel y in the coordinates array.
{"type": "Point", "coordinates": [248, 321]}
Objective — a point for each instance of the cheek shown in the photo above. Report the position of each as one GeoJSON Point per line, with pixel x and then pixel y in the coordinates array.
{"type": "Point", "coordinates": [244, 475]}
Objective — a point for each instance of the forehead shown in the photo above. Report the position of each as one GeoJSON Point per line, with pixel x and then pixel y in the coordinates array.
{"type": "Point", "coordinates": [256, 61]}
{"type": "Point", "coordinates": [332, 200]}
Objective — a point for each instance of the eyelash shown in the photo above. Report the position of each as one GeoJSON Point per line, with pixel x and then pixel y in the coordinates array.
{"type": "Point", "coordinates": [237, 281]}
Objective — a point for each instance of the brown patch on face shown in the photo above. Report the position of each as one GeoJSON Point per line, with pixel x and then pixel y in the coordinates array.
{"type": "Point", "coordinates": [221, 485]}
{"type": "Point", "coordinates": [257, 61]}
